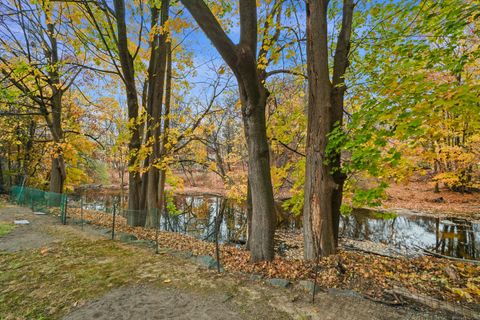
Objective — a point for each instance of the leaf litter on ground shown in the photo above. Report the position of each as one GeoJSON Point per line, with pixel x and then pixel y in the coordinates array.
{"type": "Point", "coordinates": [370, 274]}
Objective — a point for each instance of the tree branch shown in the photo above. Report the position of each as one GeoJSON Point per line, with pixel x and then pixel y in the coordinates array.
{"type": "Point", "coordinates": [279, 71]}
{"type": "Point", "coordinates": [210, 25]}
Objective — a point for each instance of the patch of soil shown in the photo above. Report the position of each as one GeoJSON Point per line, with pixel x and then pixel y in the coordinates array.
{"type": "Point", "coordinates": [22, 237]}
{"type": "Point", "coordinates": [147, 302]}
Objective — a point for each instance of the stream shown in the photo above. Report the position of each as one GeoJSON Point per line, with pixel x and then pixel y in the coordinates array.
{"type": "Point", "coordinates": [201, 215]}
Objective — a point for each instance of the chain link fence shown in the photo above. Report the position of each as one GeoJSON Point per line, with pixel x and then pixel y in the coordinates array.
{"type": "Point", "coordinates": [40, 201]}
{"type": "Point", "coordinates": [78, 210]}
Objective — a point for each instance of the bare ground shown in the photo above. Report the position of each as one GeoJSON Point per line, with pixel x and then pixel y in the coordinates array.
{"type": "Point", "coordinates": [147, 302]}
{"type": "Point", "coordinates": [62, 272]}
{"type": "Point", "coordinates": [24, 236]}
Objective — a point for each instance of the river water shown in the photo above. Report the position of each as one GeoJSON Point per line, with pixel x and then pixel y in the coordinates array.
{"type": "Point", "coordinates": [202, 215]}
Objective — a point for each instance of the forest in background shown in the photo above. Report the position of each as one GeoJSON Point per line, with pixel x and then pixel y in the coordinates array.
{"type": "Point", "coordinates": [134, 93]}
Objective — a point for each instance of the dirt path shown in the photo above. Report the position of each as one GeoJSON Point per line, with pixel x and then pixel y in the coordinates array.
{"type": "Point", "coordinates": [146, 302]}
{"type": "Point", "coordinates": [80, 275]}
{"type": "Point", "coordinates": [28, 236]}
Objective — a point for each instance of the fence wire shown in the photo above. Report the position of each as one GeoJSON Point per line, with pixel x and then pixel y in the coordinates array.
{"type": "Point", "coordinates": [40, 201]}
{"type": "Point", "coordinates": [78, 206]}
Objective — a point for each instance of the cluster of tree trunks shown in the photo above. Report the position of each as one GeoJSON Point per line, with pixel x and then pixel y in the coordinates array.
{"type": "Point", "coordinates": [146, 190]}
{"type": "Point", "coordinates": [323, 181]}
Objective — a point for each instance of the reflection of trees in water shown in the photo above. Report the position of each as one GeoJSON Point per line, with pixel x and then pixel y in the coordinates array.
{"type": "Point", "coordinates": [205, 217]}
{"type": "Point", "coordinates": [199, 218]}
{"type": "Point", "coordinates": [456, 239]}
{"type": "Point", "coordinates": [359, 225]}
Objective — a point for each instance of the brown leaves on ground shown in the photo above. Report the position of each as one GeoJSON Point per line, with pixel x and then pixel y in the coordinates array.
{"type": "Point", "coordinates": [419, 196]}
{"type": "Point", "coordinates": [369, 274]}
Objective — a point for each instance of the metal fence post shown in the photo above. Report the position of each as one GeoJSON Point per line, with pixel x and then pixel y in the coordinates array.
{"type": "Point", "coordinates": [217, 248]}
{"type": "Point", "coordinates": [65, 210]}
{"type": "Point", "coordinates": [157, 226]}
{"type": "Point", "coordinates": [81, 210]}
{"type": "Point", "coordinates": [113, 222]}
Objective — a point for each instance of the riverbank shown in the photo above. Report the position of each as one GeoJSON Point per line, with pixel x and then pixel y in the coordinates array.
{"type": "Point", "coordinates": [417, 197]}
{"type": "Point", "coordinates": [420, 198]}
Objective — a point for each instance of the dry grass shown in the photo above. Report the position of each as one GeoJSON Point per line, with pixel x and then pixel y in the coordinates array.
{"type": "Point", "coordinates": [42, 284]}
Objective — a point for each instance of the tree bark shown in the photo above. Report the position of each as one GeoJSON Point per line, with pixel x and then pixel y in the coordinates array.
{"type": "Point", "coordinates": [323, 177]}
{"type": "Point", "coordinates": [241, 59]}
{"type": "Point", "coordinates": [2, 181]}
{"type": "Point", "coordinates": [155, 99]}
{"type": "Point", "coordinates": [54, 119]}
{"type": "Point", "coordinates": [134, 216]}
{"type": "Point", "coordinates": [263, 213]}
{"type": "Point", "coordinates": [58, 172]}
{"type": "Point", "coordinates": [166, 127]}
{"type": "Point", "coordinates": [249, 215]}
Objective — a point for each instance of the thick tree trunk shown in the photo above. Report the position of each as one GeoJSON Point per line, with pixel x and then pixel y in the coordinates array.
{"type": "Point", "coordinates": [58, 171]}
{"type": "Point", "coordinates": [323, 178]}
{"type": "Point", "coordinates": [57, 175]}
{"type": "Point", "coordinates": [241, 59]}
{"type": "Point", "coordinates": [134, 215]}
{"type": "Point", "coordinates": [54, 118]}
{"type": "Point", "coordinates": [263, 212]}
{"type": "Point", "coordinates": [249, 215]}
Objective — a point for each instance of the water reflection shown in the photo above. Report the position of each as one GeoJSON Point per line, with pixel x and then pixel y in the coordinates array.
{"type": "Point", "coordinates": [206, 217]}
{"type": "Point", "coordinates": [450, 236]}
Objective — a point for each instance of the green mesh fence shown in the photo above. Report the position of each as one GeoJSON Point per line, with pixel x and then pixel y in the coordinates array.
{"type": "Point", "coordinates": [40, 201]}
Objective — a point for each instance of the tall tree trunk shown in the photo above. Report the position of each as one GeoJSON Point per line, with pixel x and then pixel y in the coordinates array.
{"type": "Point", "coordinates": [28, 147]}
{"type": "Point", "coordinates": [166, 127]}
{"type": "Point", "coordinates": [134, 216]}
{"type": "Point", "coordinates": [155, 99]}
{"type": "Point", "coordinates": [249, 215]}
{"type": "Point", "coordinates": [2, 181]}
{"type": "Point", "coordinates": [241, 59]}
{"type": "Point", "coordinates": [263, 217]}
{"type": "Point", "coordinates": [323, 178]}
{"type": "Point", "coordinates": [57, 176]}
{"type": "Point", "coordinates": [54, 119]}
{"type": "Point", "coordinates": [58, 172]}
